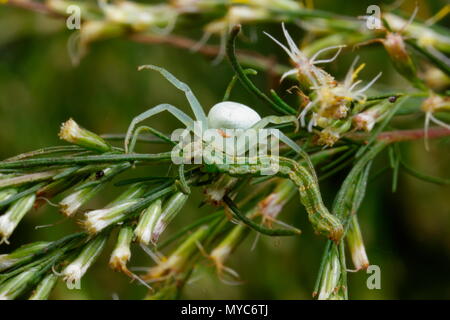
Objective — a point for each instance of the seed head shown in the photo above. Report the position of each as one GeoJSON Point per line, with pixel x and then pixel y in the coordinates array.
{"type": "Point", "coordinates": [73, 133]}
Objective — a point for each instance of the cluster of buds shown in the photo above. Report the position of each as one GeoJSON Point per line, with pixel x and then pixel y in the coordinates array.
{"type": "Point", "coordinates": [86, 187]}
{"type": "Point", "coordinates": [29, 266]}
{"type": "Point", "coordinates": [32, 265]}
{"type": "Point", "coordinates": [329, 101]}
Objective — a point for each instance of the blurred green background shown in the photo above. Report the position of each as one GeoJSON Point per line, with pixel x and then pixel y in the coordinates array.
{"type": "Point", "coordinates": [407, 233]}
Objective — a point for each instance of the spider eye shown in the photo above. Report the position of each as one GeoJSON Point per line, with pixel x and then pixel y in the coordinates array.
{"type": "Point", "coordinates": [232, 115]}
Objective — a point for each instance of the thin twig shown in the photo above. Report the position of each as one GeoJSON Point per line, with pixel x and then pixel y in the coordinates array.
{"type": "Point", "coordinates": [403, 135]}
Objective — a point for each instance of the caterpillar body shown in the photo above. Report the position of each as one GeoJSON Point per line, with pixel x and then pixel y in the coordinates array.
{"type": "Point", "coordinates": [323, 222]}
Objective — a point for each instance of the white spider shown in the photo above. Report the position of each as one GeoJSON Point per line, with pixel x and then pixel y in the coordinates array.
{"type": "Point", "coordinates": [224, 115]}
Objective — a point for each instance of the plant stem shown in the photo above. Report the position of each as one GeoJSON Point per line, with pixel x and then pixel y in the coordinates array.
{"type": "Point", "coordinates": [110, 158]}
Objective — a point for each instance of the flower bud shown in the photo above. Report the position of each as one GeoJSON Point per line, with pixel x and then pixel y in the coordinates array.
{"type": "Point", "coordinates": [436, 79]}
{"type": "Point", "coordinates": [436, 103]}
{"type": "Point", "coordinates": [22, 179]}
{"type": "Point", "coordinates": [5, 194]}
{"type": "Point", "coordinates": [138, 16]}
{"type": "Point", "coordinates": [87, 189]}
{"type": "Point", "coordinates": [272, 205]}
{"type": "Point", "coordinates": [21, 254]}
{"type": "Point", "coordinates": [220, 253]}
{"type": "Point", "coordinates": [356, 245]}
{"type": "Point", "coordinates": [330, 135]}
{"type": "Point", "coordinates": [169, 211]}
{"type": "Point", "coordinates": [367, 119]}
{"type": "Point", "coordinates": [179, 259]}
{"type": "Point", "coordinates": [396, 49]}
{"type": "Point", "coordinates": [133, 192]}
{"type": "Point", "coordinates": [53, 189]}
{"type": "Point", "coordinates": [15, 213]}
{"type": "Point", "coordinates": [15, 286]}
{"type": "Point", "coordinates": [70, 204]}
{"type": "Point", "coordinates": [215, 192]}
{"type": "Point", "coordinates": [115, 211]}
{"type": "Point", "coordinates": [73, 272]}
{"type": "Point", "coordinates": [73, 133]}
{"type": "Point", "coordinates": [147, 222]}
{"type": "Point", "coordinates": [241, 14]}
{"type": "Point", "coordinates": [44, 288]}
{"type": "Point", "coordinates": [122, 253]}
{"type": "Point", "coordinates": [97, 220]}
{"type": "Point", "coordinates": [330, 277]}
{"type": "Point", "coordinates": [195, 6]}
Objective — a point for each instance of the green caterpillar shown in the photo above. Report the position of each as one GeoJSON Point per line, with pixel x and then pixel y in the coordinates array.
{"type": "Point", "coordinates": [323, 222]}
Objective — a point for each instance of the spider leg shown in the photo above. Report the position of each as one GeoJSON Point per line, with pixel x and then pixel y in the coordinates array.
{"type": "Point", "coordinates": [275, 120]}
{"type": "Point", "coordinates": [177, 113]}
{"type": "Point", "coordinates": [194, 103]}
{"type": "Point", "coordinates": [155, 132]}
{"type": "Point", "coordinates": [242, 147]}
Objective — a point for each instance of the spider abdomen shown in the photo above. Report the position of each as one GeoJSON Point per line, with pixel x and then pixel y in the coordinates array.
{"type": "Point", "coordinates": [232, 115]}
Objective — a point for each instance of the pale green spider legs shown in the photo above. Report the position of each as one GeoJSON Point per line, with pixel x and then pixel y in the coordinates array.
{"type": "Point", "coordinates": [180, 115]}
{"type": "Point", "coordinates": [194, 103]}
{"type": "Point", "coordinates": [242, 147]}
{"type": "Point", "coordinates": [282, 137]}
{"type": "Point", "coordinates": [177, 113]}
{"type": "Point", "coordinates": [201, 117]}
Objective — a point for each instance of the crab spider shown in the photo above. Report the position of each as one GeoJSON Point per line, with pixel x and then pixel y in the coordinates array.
{"type": "Point", "coordinates": [223, 115]}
